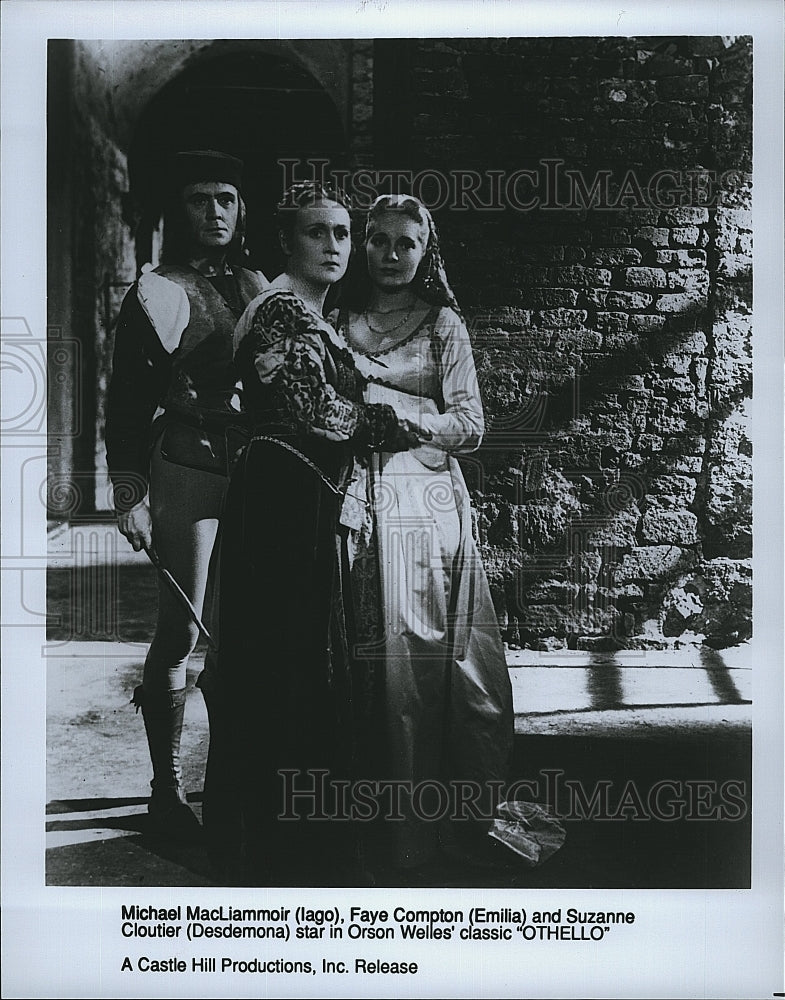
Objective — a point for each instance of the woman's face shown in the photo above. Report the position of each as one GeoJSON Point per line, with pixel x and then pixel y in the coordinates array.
{"type": "Point", "coordinates": [319, 244]}
{"type": "Point", "coordinates": [395, 248]}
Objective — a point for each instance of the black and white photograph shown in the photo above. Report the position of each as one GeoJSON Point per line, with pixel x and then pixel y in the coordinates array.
{"type": "Point", "coordinates": [392, 500]}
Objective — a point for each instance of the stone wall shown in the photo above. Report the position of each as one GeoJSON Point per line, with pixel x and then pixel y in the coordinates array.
{"type": "Point", "coordinates": [97, 265]}
{"type": "Point", "coordinates": [608, 294]}
{"type": "Point", "coordinates": [596, 226]}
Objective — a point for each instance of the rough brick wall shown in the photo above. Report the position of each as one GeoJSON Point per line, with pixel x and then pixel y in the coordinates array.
{"type": "Point", "coordinates": [613, 336]}
{"type": "Point", "coordinates": [608, 293]}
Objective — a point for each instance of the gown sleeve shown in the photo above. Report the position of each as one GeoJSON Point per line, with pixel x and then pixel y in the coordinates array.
{"type": "Point", "coordinates": [461, 426]}
{"type": "Point", "coordinates": [141, 370]}
{"type": "Point", "coordinates": [287, 350]}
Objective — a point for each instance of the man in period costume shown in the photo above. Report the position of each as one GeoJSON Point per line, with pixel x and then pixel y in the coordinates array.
{"type": "Point", "coordinates": [172, 403]}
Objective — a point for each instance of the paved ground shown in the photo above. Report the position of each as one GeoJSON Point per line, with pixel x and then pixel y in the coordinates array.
{"type": "Point", "coordinates": [662, 742]}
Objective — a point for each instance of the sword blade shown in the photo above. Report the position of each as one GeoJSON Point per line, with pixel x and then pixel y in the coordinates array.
{"type": "Point", "coordinates": [181, 595]}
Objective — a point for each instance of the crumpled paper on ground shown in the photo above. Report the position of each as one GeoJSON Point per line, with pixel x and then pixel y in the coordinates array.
{"type": "Point", "coordinates": [528, 829]}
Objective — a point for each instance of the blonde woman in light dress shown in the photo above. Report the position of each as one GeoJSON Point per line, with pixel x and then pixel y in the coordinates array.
{"type": "Point", "coordinates": [426, 628]}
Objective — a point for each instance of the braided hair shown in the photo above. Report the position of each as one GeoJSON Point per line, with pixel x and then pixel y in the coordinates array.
{"type": "Point", "coordinates": [305, 194]}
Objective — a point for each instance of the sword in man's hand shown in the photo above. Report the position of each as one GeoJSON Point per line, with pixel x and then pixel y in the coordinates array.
{"type": "Point", "coordinates": [181, 595]}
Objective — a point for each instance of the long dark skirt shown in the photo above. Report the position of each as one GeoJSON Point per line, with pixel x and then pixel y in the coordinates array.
{"type": "Point", "coordinates": [280, 701]}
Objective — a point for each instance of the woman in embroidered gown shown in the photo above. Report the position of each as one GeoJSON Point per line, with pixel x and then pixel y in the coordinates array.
{"type": "Point", "coordinates": [446, 691]}
{"type": "Point", "coordinates": [280, 701]}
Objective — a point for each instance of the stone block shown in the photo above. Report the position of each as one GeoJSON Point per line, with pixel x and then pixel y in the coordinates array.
{"type": "Point", "coordinates": [626, 300]}
{"type": "Point", "coordinates": [622, 340]}
{"type": "Point", "coordinates": [686, 236]}
{"type": "Point", "coordinates": [691, 464]}
{"type": "Point", "coordinates": [653, 562]}
{"type": "Point", "coordinates": [616, 256]}
{"type": "Point", "coordinates": [551, 298]}
{"type": "Point", "coordinates": [547, 619]}
{"type": "Point", "coordinates": [688, 444]}
{"type": "Point", "coordinates": [734, 265]}
{"type": "Point", "coordinates": [504, 317]}
{"type": "Point", "coordinates": [569, 339]}
{"type": "Point", "coordinates": [611, 322]}
{"type": "Point", "coordinates": [676, 387]}
{"type": "Point", "coordinates": [597, 296]}
{"type": "Point", "coordinates": [617, 530]}
{"type": "Point", "coordinates": [714, 600]}
{"type": "Point", "coordinates": [539, 254]}
{"type": "Point", "coordinates": [683, 303]}
{"type": "Point", "coordinates": [670, 527]}
{"type": "Point", "coordinates": [726, 238]}
{"type": "Point", "coordinates": [730, 380]}
{"type": "Point", "coordinates": [623, 90]}
{"type": "Point", "coordinates": [686, 216]}
{"type": "Point", "coordinates": [736, 191]}
{"type": "Point", "coordinates": [672, 492]}
{"type": "Point", "coordinates": [728, 506]}
{"type": "Point", "coordinates": [648, 642]}
{"type": "Point", "coordinates": [667, 423]}
{"type": "Point", "coordinates": [636, 217]}
{"type": "Point", "coordinates": [657, 236]}
{"type": "Point", "coordinates": [693, 342]}
{"type": "Point", "coordinates": [734, 218]}
{"type": "Point", "coordinates": [599, 643]}
{"type": "Point", "coordinates": [559, 592]}
{"type": "Point", "coordinates": [578, 276]}
{"type": "Point", "coordinates": [681, 258]}
{"type": "Point", "coordinates": [627, 594]}
{"type": "Point", "coordinates": [733, 295]}
{"type": "Point", "coordinates": [674, 364]}
{"type": "Point", "coordinates": [649, 442]}
{"type": "Point", "coordinates": [689, 280]}
{"type": "Point", "coordinates": [646, 323]}
{"type": "Point", "coordinates": [645, 277]}
{"type": "Point", "coordinates": [732, 335]}
{"type": "Point", "coordinates": [572, 318]}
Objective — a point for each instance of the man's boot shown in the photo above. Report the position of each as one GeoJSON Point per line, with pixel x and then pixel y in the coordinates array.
{"type": "Point", "coordinates": [169, 812]}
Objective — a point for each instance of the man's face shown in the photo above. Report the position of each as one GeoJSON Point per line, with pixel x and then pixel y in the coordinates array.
{"type": "Point", "coordinates": [211, 208]}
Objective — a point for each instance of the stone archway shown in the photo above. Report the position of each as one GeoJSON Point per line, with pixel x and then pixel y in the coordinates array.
{"type": "Point", "coordinates": [261, 103]}
{"type": "Point", "coordinates": [117, 110]}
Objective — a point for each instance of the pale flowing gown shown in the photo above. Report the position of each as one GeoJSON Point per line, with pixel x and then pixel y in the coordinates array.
{"type": "Point", "coordinates": [447, 694]}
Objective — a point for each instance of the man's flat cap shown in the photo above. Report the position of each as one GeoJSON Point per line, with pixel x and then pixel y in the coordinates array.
{"type": "Point", "coordinates": [195, 165]}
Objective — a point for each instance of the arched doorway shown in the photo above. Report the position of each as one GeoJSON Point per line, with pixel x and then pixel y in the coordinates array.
{"type": "Point", "coordinates": [265, 108]}
{"type": "Point", "coordinates": [116, 112]}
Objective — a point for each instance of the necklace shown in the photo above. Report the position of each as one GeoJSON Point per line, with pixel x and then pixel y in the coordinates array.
{"type": "Point", "coordinates": [389, 330]}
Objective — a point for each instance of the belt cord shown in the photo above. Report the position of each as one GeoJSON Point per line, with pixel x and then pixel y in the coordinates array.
{"type": "Point", "coordinates": [311, 465]}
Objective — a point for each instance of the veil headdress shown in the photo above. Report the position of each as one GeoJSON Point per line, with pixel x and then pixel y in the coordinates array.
{"type": "Point", "coordinates": [430, 283]}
